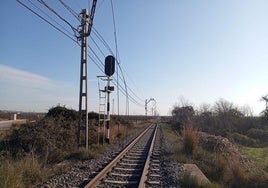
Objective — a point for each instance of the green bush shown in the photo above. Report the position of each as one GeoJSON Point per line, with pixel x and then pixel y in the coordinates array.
{"type": "Point", "coordinates": [243, 140]}
{"type": "Point", "coordinates": [51, 138]}
{"type": "Point", "coordinates": [260, 134]}
{"type": "Point", "coordinates": [189, 181]}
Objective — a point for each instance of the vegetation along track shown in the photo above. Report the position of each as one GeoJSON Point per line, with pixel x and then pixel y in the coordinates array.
{"type": "Point", "coordinates": [138, 165]}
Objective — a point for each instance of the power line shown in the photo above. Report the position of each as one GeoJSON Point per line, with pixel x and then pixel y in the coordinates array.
{"type": "Point", "coordinates": [97, 46]}
{"type": "Point", "coordinates": [116, 57]}
{"type": "Point", "coordinates": [100, 65]}
{"type": "Point", "coordinates": [52, 10]}
{"type": "Point", "coordinates": [99, 36]}
{"type": "Point", "coordinates": [49, 17]}
{"type": "Point", "coordinates": [95, 59]}
{"type": "Point", "coordinates": [70, 10]}
{"type": "Point", "coordinates": [121, 88]}
{"type": "Point", "coordinates": [55, 27]}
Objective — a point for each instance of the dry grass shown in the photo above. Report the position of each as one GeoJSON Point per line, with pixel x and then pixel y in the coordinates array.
{"type": "Point", "coordinates": [190, 140]}
{"type": "Point", "coordinates": [24, 173]}
{"type": "Point", "coordinates": [117, 131]}
{"type": "Point", "coordinates": [234, 175]}
{"type": "Point", "coordinates": [83, 154]}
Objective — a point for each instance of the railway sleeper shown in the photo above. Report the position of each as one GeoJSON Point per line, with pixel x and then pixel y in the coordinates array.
{"type": "Point", "coordinates": [131, 164]}
{"type": "Point", "coordinates": [128, 169]}
{"type": "Point", "coordinates": [155, 169]}
{"type": "Point", "coordinates": [155, 175]}
{"type": "Point", "coordinates": [153, 183]}
{"type": "Point", "coordinates": [120, 182]}
{"type": "Point", "coordinates": [155, 165]}
{"type": "Point", "coordinates": [131, 160]}
{"type": "Point", "coordinates": [155, 161]}
{"type": "Point", "coordinates": [136, 157]}
{"type": "Point", "coordinates": [122, 178]}
{"type": "Point", "coordinates": [124, 175]}
{"type": "Point", "coordinates": [137, 154]}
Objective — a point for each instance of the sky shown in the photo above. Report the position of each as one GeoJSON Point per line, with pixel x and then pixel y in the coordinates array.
{"type": "Point", "coordinates": [201, 50]}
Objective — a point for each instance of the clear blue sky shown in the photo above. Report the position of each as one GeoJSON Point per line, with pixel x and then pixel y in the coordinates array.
{"type": "Point", "coordinates": [201, 50]}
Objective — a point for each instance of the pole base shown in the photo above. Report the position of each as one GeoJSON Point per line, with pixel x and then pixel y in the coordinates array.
{"type": "Point", "coordinates": [107, 140]}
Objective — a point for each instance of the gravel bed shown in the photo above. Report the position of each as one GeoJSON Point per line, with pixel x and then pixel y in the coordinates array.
{"type": "Point", "coordinates": [170, 171]}
{"type": "Point", "coordinates": [80, 172]}
{"type": "Point", "coordinates": [138, 151]}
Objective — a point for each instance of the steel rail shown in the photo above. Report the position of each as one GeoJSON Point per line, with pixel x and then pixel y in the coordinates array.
{"type": "Point", "coordinates": [96, 180]}
{"type": "Point", "coordinates": [145, 172]}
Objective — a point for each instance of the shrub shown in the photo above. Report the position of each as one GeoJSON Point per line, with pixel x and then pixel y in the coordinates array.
{"type": "Point", "coordinates": [261, 134]}
{"type": "Point", "coordinates": [31, 171]}
{"type": "Point", "coordinates": [23, 173]}
{"type": "Point", "coordinates": [82, 154]}
{"type": "Point", "coordinates": [234, 175]}
{"type": "Point", "coordinates": [189, 181]}
{"type": "Point", "coordinates": [117, 131]}
{"type": "Point", "coordinates": [213, 167]}
{"type": "Point", "coordinates": [8, 175]}
{"type": "Point", "coordinates": [190, 140]}
{"type": "Point", "coordinates": [52, 138]}
{"type": "Point", "coordinates": [244, 140]}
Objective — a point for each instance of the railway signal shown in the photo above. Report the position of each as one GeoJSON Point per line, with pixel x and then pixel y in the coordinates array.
{"type": "Point", "coordinates": [109, 71]}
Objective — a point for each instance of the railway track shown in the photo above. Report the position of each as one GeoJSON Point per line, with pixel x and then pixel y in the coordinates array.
{"type": "Point", "coordinates": [138, 165]}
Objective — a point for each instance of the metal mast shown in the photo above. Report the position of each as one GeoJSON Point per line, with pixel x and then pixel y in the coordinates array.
{"type": "Point", "coordinates": [86, 25]}
{"type": "Point", "coordinates": [265, 98]}
{"type": "Point", "coordinates": [83, 92]}
{"type": "Point", "coordinates": [146, 105]}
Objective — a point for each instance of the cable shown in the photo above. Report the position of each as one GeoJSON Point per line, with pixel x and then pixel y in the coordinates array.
{"type": "Point", "coordinates": [97, 46]}
{"type": "Point", "coordinates": [120, 86]}
{"type": "Point", "coordinates": [95, 59]}
{"type": "Point", "coordinates": [100, 65]}
{"type": "Point", "coordinates": [52, 10]}
{"type": "Point", "coordinates": [123, 79]}
{"type": "Point", "coordinates": [70, 10]}
{"type": "Point", "coordinates": [49, 17]}
{"type": "Point", "coordinates": [99, 36]}
{"type": "Point", "coordinates": [46, 21]}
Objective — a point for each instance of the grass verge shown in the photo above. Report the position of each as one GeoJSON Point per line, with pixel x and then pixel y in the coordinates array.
{"type": "Point", "coordinates": [23, 173]}
{"type": "Point", "coordinates": [220, 169]}
{"type": "Point", "coordinates": [259, 155]}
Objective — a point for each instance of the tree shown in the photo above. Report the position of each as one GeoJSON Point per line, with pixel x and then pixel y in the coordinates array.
{"type": "Point", "coordinates": [227, 114]}
{"type": "Point", "coordinates": [181, 115]}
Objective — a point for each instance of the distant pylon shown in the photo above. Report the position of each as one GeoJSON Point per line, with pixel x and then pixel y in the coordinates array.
{"type": "Point", "coordinates": [265, 98]}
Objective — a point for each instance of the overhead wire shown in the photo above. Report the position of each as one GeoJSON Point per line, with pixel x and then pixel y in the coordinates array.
{"type": "Point", "coordinates": [38, 15]}
{"type": "Point", "coordinates": [99, 36]}
{"type": "Point", "coordinates": [49, 17]}
{"type": "Point", "coordinates": [117, 63]}
{"type": "Point", "coordinates": [96, 60]}
{"type": "Point", "coordinates": [121, 88]}
{"type": "Point", "coordinates": [77, 16]}
{"type": "Point", "coordinates": [102, 53]}
{"type": "Point", "coordinates": [52, 10]}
